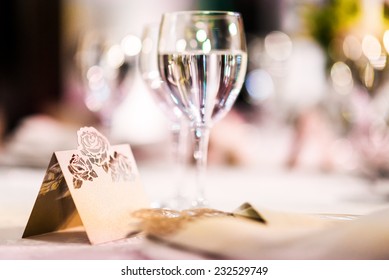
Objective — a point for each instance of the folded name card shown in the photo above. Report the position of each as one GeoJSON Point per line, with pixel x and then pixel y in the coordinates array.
{"type": "Point", "coordinates": [96, 186]}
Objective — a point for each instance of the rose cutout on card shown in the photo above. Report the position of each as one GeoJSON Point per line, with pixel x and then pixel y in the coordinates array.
{"type": "Point", "coordinates": [96, 152]}
{"type": "Point", "coordinates": [95, 146]}
{"type": "Point", "coordinates": [81, 170]}
{"type": "Point", "coordinates": [120, 168]}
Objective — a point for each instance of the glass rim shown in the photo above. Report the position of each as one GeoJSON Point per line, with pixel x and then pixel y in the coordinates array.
{"type": "Point", "coordinates": [204, 12]}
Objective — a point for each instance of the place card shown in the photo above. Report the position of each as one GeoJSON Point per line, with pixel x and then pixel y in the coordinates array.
{"type": "Point", "coordinates": [96, 186]}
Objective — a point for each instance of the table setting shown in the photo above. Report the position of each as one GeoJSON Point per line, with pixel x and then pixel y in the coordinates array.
{"type": "Point", "coordinates": [95, 199]}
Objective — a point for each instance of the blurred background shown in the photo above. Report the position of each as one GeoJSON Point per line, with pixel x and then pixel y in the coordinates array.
{"type": "Point", "coordinates": [315, 95]}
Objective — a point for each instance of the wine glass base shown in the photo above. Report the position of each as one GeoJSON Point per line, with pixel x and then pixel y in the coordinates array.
{"type": "Point", "coordinates": [174, 203]}
{"type": "Point", "coordinates": [200, 203]}
{"type": "Point", "coordinates": [180, 203]}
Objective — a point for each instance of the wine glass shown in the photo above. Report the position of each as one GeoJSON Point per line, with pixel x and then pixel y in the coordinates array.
{"type": "Point", "coordinates": [107, 63]}
{"type": "Point", "coordinates": [202, 58]}
{"type": "Point", "coordinates": [148, 66]}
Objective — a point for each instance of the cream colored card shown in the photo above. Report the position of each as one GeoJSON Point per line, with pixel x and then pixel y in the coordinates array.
{"type": "Point", "coordinates": [97, 186]}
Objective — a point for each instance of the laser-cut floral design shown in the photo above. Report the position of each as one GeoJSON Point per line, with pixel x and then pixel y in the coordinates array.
{"type": "Point", "coordinates": [96, 152]}
{"type": "Point", "coordinates": [120, 168]}
{"type": "Point", "coordinates": [52, 180]}
{"type": "Point", "coordinates": [81, 170]}
{"type": "Point", "coordinates": [95, 146]}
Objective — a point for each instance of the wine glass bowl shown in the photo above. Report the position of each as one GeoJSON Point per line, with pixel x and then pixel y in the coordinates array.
{"type": "Point", "coordinates": [202, 58]}
{"type": "Point", "coordinates": [202, 55]}
{"type": "Point", "coordinates": [148, 66]}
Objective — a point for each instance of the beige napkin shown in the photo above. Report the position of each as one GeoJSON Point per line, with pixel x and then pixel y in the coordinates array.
{"type": "Point", "coordinates": [283, 236]}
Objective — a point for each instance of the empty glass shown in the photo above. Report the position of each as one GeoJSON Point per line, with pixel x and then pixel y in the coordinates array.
{"type": "Point", "coordinates": [107, 63]}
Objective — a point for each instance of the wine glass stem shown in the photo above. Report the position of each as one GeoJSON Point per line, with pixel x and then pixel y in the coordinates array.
{"type": "Point", "coordinates": [106, 122]}
{"type": "Point", "coordinates": [179, 153]}
{"type": "Point", "coordinates": [201, 141]}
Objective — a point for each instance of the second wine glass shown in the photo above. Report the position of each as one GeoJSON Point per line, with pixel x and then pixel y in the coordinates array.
{"type": "Point", "coordinates": [203, 60]}
{"type": "Point", "coordinates": [148, 65]}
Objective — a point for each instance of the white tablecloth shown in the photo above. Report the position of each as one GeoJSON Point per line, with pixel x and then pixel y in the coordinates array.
{"type": "Point", "coordinates": [301, 191]}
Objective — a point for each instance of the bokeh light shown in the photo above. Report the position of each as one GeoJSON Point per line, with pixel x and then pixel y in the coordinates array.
{"type": "Point", "coordinates": [352, 47]}
{"type": "Point", "coordinates": [131, 45]}
{"type": "Point", "coordinates": [259, 85]}
{"type": "Point", "coordinates": [341, 77]}
{"type": "Point", "coordinates": [181, 45]}
{"type": "Point", "coordinates": [115, 56]}
{"type": "Point", "coordinates": [371, 47]}
{"type": "Point", "coordinates": [278, 45]}
{"type": "Point", "coordinates": [201, 35]}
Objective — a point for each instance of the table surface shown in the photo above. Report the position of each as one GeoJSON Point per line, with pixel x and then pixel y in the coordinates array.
{"type": "Point", "coordinates": [303, 191]}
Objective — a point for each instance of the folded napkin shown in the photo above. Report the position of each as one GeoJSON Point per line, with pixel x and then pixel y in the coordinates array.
{"type": "Point", "coordinates": [254, 233]}
{"type": "Point", "coordinates": [35, 140]}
